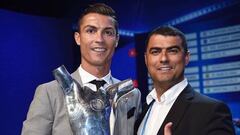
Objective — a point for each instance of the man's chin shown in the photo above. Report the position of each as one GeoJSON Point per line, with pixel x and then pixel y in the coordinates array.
{"type": "Point", "coordinates": [165, 81]}
{"type": "Point", "coordinates": [100, 63]}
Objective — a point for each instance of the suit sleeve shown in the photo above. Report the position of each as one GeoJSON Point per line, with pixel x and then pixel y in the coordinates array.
{"type": "Point", "coordinates": [220, 122]}
{"type": "Point", "coordinates": [40, 115]}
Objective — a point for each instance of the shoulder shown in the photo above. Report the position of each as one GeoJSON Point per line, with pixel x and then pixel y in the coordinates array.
{"type": "Point", "coordinates": [195, 97]}
{"type": "Point", "coordinates": [198, 100]}
{"type": "Point", "coordinates": [202, 101]}
{"type": "Point", "coordinates": [48, 90]}
{"type": "Point", "coordinates": [204, 98]}
{"type": "Point", "coordinates": [49, 86]}
{"type": "Point", "coordinates": [115, 80]}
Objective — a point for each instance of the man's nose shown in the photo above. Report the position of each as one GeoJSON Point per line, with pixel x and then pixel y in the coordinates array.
{"type": "Point", "coordinates": [99, 37]}
{"type": "Point", "coordinates": [163, 57]}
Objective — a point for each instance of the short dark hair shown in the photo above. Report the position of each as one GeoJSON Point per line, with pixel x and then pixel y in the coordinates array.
{"type": "Point", "coordinates": [99, 8]}
{"type": "Point", "coordinates": [168, 31]}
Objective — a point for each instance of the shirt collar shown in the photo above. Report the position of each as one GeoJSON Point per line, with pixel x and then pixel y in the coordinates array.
{"type": "Point", "coordinates": [168, 96]}
{"type": "Point", "coordinates": [87, 77]}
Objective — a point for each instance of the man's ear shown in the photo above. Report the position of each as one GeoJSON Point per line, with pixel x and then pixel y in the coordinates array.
{"type": "Point", "coordinates": [77, 37]}
{"type": "Point", "coordinates": [187, 58]}
{"type": "Point", "coordinates": [145, 58]}
{"type": "Point", "coordinates": [117, 39]}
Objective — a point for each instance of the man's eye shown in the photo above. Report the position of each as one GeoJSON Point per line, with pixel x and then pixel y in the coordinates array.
{"type": "Point", "coordinates": [173, 51]}
{"type": "Point", "coordinates": [154, 52]}
{"type": "Point", "coordinates": [90, 31]}
{"type": "Point", "coordinates": [108, 33]}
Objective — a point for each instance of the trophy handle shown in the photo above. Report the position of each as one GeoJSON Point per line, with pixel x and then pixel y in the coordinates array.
{"type": "Point", "coordinates": [115, 91]}
{"type": "Point", "coordinates": [64, 79]}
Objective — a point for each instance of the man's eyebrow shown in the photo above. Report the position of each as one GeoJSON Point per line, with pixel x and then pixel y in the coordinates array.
{"type": "Point", "coordinates": [173, 47]}
{"type": "Point", "coordinates": [89, 26]}
{"type": "Point", "coordinates": [155, 48]}
{"type": "Point", "coordinates": [170, 47]}
{"type": "Point", "coordinates": [94, 27]}
{"type": "Point", "coordinates": [109, 28]}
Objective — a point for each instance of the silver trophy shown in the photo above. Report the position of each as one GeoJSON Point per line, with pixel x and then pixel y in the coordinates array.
{"type": "Point", "coordinates": [88, 110]}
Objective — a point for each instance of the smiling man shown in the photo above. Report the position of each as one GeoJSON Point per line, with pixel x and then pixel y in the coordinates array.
{"type": "Point", "coordinates": [173, 101]}
{"type": "Point", "coordinates": [97, 37]}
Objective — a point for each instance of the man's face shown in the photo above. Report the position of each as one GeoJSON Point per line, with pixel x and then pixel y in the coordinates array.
{"type": "Point", "coordinates": [165, 59]}
{"type": "Point", "coordinates": [97, 39]}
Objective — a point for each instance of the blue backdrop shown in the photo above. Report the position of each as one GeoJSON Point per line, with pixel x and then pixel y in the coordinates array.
{"type": "Point", "coordinates": [32, 46]}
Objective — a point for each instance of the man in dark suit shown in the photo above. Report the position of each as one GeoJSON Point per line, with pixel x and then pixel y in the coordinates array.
{"type": "Point", "coordinates": [173, 99]}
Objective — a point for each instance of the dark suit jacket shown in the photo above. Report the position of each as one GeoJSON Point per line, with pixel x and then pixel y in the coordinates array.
{"type": "Point", "coordinates": [195, 114]}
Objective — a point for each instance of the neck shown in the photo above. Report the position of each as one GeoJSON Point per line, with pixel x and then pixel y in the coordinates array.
{"type": "Point", "coordinates": [162, 87]}
{"type": "Point", "coordinates": [97, 71]}
{"type": "Point", "coordinates": [160, 90]}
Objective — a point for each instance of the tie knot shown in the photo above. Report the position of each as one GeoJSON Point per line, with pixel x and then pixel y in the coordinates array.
{"type": "Point", "coordinates": [98, 83]}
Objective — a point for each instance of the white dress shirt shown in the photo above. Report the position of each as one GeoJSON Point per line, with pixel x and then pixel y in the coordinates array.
{"type": "Point", "coordinates": [87, 77]}
{"type": "Point", "coordinates": [159, 110]}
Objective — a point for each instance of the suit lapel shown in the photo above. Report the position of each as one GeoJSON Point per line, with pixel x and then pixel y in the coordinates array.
{"type": "Point", "coordinates": [145, 108]}
{"type": "Point", "coordinates": [76, 76]}
{"type": "Point", "coordinates": [178, 109]}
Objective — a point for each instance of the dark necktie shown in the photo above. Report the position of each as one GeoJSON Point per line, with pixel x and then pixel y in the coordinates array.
{"type": "Point", "coordinates": [98, 83]}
